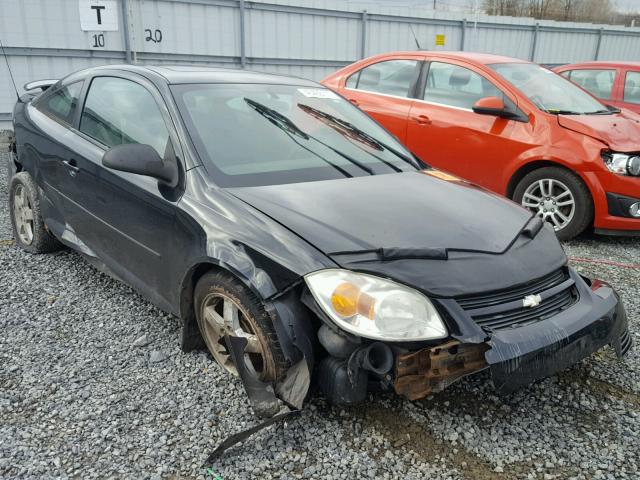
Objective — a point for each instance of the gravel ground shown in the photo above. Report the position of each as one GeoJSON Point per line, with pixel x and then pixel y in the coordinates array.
{"type": "Point", "coordinates": [93, 385]}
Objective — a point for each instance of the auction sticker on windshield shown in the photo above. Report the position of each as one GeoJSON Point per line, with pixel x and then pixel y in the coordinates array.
{"type": "Point", "coordinates": [318, 93]}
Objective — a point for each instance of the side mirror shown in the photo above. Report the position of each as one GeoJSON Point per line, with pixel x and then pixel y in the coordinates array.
{"type": "Point", "coordinates": [490, 106]}
{"type": "Point", "coordinates": [496, 106]}
{"type": "Point", "coordinates": [142, 160]}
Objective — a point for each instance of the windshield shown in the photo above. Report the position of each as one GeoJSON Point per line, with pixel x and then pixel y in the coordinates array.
{"type": "Point", "coordinates": [257, 134]}
{"type": "Point", "coordinates": [549, 91]}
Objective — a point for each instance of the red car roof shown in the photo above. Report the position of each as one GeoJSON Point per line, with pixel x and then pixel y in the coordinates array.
{"type": "Point", "coordinates": [481, 58]}
{"type": "Point", "coordinates": [602, 64]}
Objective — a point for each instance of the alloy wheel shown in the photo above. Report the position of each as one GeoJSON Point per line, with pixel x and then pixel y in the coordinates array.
{"type": "Point", "coordinates": [23, 215]}
{"type": "Point", "coordinates": [552, 201]}
{"type": "Point", "coordinates": [223, 316]}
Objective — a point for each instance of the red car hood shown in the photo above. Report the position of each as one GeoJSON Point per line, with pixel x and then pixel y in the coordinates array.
{"type": "Point", "coordinates": [620, 131]}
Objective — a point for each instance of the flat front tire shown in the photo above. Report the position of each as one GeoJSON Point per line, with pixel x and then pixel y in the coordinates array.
{"type": "Point", "coordinates": [559, 197]}
{"type": "Point", "coordinates": [29, 229]}
{"type": "Point", "coordinates": [224, 306]}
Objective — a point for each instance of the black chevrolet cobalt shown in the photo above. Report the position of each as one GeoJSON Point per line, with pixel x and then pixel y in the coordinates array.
{"type": "Point", "coordinates": [295, 238]}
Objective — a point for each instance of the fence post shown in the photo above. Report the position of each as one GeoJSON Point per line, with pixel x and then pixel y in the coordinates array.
{"type": "Point", "coordinates": [363, 37]}
{"type": "Point", "coordinates": [243, 45]}
{"type": "Point", "coordinates": [463, 34]}
{"type": "Point", "coordinates": [124, 7]}
{"type": "Point", "coordinates": [600, 32]}
{"type": "Point", "coordinates": [534, 43]}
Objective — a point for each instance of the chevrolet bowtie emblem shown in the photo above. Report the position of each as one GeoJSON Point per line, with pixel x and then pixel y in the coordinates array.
{"type": "Point", "coordinates": [531, 301]}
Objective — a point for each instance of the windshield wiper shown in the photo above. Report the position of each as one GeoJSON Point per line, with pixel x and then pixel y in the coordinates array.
{"type": "Point", "coordinates": [338, 168]}
{"type": "Point", "coordinates": [555, 111]}
{"type": "Point", "coordinates": [357, 133]}
{"type": "Point", "coordinates": [608, 111]}
{"type": "Point", "coordinates": [284, 123]}
{"type": "Point", "coordinates": [276, 118]}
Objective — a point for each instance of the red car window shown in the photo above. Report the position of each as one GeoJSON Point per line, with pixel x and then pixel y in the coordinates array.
{"type": "Point", "coordinates": [632, 88]}
{"type": "Point", "coordinates": [457, 86]}
{"type": "Point", "coordinates": [392, 77]}
{"type": "Point", "coordinates": [598, 82]}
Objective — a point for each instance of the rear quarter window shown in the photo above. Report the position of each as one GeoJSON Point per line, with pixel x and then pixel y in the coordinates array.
{"type": "Point", "coordinates": [62, 103]}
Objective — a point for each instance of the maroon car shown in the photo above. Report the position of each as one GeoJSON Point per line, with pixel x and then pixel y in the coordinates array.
{"type": "Point", "coordinates": [615, 83]}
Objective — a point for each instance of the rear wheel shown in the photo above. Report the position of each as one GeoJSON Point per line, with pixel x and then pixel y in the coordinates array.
{"type": "Point", "coordinates": [226, 307]}
{"type": "Point", "coordinates": [559, 197]}
{"type": "Point", "coordinates": [29, 229]}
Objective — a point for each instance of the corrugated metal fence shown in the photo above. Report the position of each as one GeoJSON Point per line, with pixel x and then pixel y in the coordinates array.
{"type": "Point", "coordinates": [51, 38]}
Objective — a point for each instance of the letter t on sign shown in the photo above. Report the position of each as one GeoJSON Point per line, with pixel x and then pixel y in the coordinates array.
{"type": "Point", "coordinates": [97, 8]}
{"type": "Point", "coordinates": [99, 15]}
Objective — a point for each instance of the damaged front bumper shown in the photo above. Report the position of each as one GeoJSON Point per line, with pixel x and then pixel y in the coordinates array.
{"type": "Point", "coordinates": [521, 356]}
{"type": "Point", "coordinates": [515, 357]}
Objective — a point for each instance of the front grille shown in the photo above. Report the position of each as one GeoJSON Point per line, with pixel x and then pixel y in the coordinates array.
{"type": "Point", "coordinates": [504, 308]}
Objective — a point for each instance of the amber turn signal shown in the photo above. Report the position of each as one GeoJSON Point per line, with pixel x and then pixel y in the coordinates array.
{"type": "Point", "coordinates": [348, 300]}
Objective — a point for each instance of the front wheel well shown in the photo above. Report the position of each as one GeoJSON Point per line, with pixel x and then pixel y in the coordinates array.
{"type": "Point", "coordinates": [528, 168]}
{"type": "Point", "coordinates": [191, 336]}
{"type": "Point", "coordinates": [17, 164]}
{"type": "Point", "coordinates": [571, 216]}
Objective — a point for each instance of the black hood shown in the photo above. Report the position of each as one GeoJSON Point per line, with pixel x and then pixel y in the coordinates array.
{"type": "Point", "coordinates": [408, 210]}
{"type": "Point", "coordinates": [413, 211]}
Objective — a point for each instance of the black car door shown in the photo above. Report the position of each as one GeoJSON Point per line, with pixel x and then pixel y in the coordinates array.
{"type": "Point", "coordinates": [129, 219]}
{"type": "Point", "coordinates": [49, 146]}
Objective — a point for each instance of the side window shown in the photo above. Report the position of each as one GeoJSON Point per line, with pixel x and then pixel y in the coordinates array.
{"type": "Point", "coordinates": [392, 77]}
{"type": "Point", "coordinates": [632, 87]}
{"type": "Point", "coordinates": [352, 81]}
{"type": "Point", "coordinates": [597, 82]}
{"type": "Point", "coordinates": [119, 111]}
{"type": "Point", "coordinates": [62, 103]}
{"type": "Point", "coordinates": [456, 86]}
{"type": "Point", "coordinates": [566, 74]}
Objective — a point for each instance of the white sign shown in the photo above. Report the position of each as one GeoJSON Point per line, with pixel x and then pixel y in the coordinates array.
{"type": "Point", "coordinates": [98, 15]}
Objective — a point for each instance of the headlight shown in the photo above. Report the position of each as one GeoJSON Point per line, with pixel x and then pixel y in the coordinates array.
{"type": "Point", "coordinates": [622, 164]}
{"type": "Point", "coordinates": [633, 167]}
{"type": "Point", "coordinates": [375, 308]}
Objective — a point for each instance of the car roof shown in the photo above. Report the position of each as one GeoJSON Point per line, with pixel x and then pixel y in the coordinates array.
{"type": "Point", "coordinates": [477, 57]}
{"type": "Point", "coordinates": [180, 74]}
{"type": "Point", "coordinates": [602, 63]}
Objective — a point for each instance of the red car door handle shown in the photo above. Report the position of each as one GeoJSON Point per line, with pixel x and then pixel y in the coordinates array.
{"type": "Point", "coordinates": [422, 120]}
{"type": "Point", "coordinates": [354, 101]}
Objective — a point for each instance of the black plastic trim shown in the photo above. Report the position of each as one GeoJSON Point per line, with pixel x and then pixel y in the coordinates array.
{"type": "Point", "coordinates": [618, 205]}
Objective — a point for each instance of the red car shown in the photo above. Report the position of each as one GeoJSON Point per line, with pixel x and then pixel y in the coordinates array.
{"type": "Point", "coordinates": [511, 126]}
{"type": "Point", "coordinates": [615, 83]}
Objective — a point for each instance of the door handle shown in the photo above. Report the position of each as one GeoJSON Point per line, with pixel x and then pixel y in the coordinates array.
{"type": "Point", "coordinates": [422, 120]}
{"type": "Point", "coordinates": [354, 101]}
{"type": "Point", "coordinates": [72, 166]}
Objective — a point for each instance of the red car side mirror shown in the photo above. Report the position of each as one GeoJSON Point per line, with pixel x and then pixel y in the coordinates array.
{"type": "Point", "coordinates": [490, 106]}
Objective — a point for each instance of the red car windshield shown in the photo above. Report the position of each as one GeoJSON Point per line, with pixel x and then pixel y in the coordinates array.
{"type": "Point", "coordinates": [550, 92]}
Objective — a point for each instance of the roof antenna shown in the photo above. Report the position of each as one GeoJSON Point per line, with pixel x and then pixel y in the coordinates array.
{"type": "Point", "coordinates": [415, 38]}
{"type": "Point", "coordinates": [6, 59]}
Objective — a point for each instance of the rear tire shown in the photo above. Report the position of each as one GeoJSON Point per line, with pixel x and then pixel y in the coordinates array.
{"type": "Point", "coordinates": [559, 197]}
{"type": "Point", "coordinates": [29, 229]}
{"type": "Point", "coordinates": [219, 297]}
